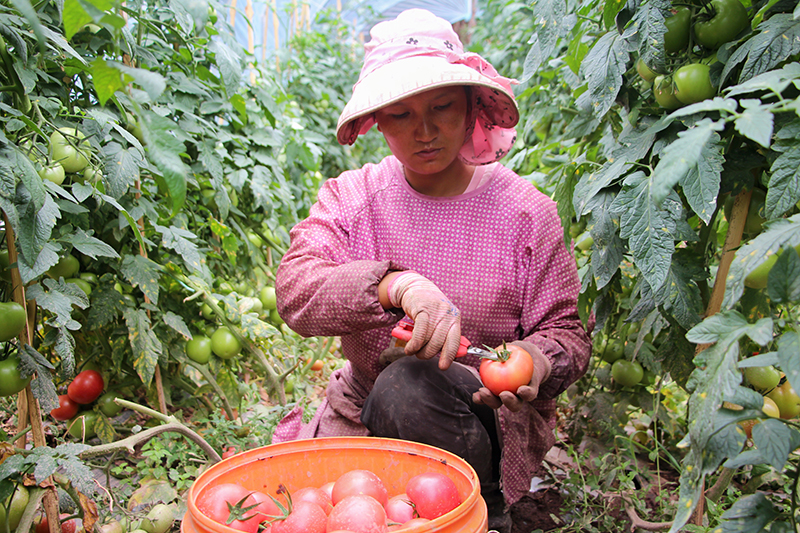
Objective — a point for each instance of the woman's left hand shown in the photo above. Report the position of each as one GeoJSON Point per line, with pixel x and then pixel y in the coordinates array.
{"type": "Point", "coordinates": [525, 393]}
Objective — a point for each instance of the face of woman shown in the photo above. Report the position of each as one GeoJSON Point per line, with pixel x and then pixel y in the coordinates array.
{"type": "Point", "coordinates": [426, 131]}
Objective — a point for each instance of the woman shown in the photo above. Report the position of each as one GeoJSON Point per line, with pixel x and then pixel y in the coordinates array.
{"type": "Point", "coordinates": [443, 234]}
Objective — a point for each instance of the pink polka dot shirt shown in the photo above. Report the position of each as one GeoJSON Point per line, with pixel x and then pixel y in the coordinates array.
{"type": "Point", "coordinates": [496, 251]}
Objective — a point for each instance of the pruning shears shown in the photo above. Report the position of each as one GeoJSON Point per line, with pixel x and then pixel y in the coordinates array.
{"type": "Point", "coordinates": [404, 329]}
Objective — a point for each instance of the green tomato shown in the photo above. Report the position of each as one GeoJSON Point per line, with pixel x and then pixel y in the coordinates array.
{"type": "Point", "coordinates": [676, 38]}
{"type": "Point", "coordinates": [84, 285]}
{"type": "Point", "coordinates": [254, 239]}
{"type": "Point", "coordinates": [268, 298]}
{"type": "Point", "coordinates": [90, 175]}
{"type": "Point", "coordinates": [787, 400]}
{"type": "Point", "coordinates": [108, 406]}
{"type": "Point", "coordinates": [584, 242]}
{"type": "Point", "coordinates": [54, 173]}
{"type": "Point", "coordinates": [762, 378]}
{"type": "Point", "coordinates": [613, 351]}
{"type": "Point", "coordinates": [11, 382]}
{"type": "Point", "coordinates": [275, 318]}
{"type": "Point", "coordinates": [67, 267]}
{"type": "Point", "coordinates": [726, 20]}
{"type": "Point", "coordinates": [89, 277]}
{"type": "Point", "coordinates": [225, 344]}
{"type": "Point", "coordinates": [645, 72]}
{"type": "Point", "coordinates": [5, 265]}
{"type": "Point", "coordinates": [664, 93]}
{"type": "Point", "coordinates": [72, 158]}
{"type": "Point", "coordinates": [19, 502]}
{"type": "Point", "coordinates": [693, 83]}
{"type": "Point", "coordinates": [83, 425]}
{"type": "Point", "coordinates": [199, 349]}
{"type": "Point", "coordinates": [757, 279]}
{"type": "Point", "coordinates": [159, 519]}
{"type": "Point", "coordinates": [755, 211]}
{"type": "Point", "coordinates": [207, 312]}
{"type": "Point", "coordinates": [12, 320]}
{"type": "Point", "coordinates": [627, 373]}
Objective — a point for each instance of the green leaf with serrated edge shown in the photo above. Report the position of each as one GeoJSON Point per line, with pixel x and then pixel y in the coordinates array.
{"type": "Point", "coordinates": [776, 234]}
{"type": "Point", "coordinates": [608, 249]}
{"type": "Point", "coordinates": [31, 363]}
{"type": "Point", "coordinates": [65, 348]}
{"type": "Point", "coordinates": [177, 323]}
{"type": "Point", "coordinates": [695, 161]}
{"type": "Point", "coordinates": [74, 17]}
{"type": "Point", "coordinates": [783, 283]}
{"type": "Point", "coordinates": [208, 156]}
{"type": "Point", "coordinates": [727, 324]}
{"type": "Point", "coordinates": [691, 490]}
{"type": "Point", "coordinates": [90, 246]}
{"type": "Point", "coordinates": [755, 456]}
{"type": "Point", "coordinates": [229, 383]}
{"type": "Point", "coordinates": [749, 514]}
{"type": "Point", "coordinates": [58, 298]}
{"type": "Point", "coordinates": [152, 83]}
{"type": "Point", "coordinates": [35, 227]}
{"type": "Point", "coordinates": [107, 79]}
{"type": "Point", "coordinates": [178, 239]}
{"type": "Point", "coordinates": [604, 67]}
{"type": "Point", "coordinates": [774, 81]}
{"type": "Point", "coordinates": [26, 10]}
{"type": "Point", "coordinates": [255, 328]}
{"type": "Point", "coordinates": [649, 22]}
{"type": "Point", "coordinates": [755, 122]}
{"type": "Point", "coordinates": [64, 458]}
{"type": "Point", "coordinates": [784, 182]}
{"type": "Point", "coordinates": [146, 347]}
{"type": "Point", "coordinates": [648, 227]}
{"type": "Point", "coordinates": [47, 257]}
{"type": "Point", "coordinates": [715, 378]}
{"type": "Point", "coordinates": [773, 438]}
{"type": "Point", "coordinates": [722, 445]}
{"type": "Point", "coordinates": [164, 148]}
{"type": "Point", "coordinates": [778, 39]}
{"type": "Point", "coordinates": [762, 359]}
{"type": "Point", "coordinates": [59, 42]}
{"type": "Point", "coordinates": [680, 296]}
{"type": "Point", "coordinates": [229, 63]}
{"type": "Point", "coordinates": [143, 273]}
{"type": "Point", "coordinates": [634, 145]}
{"type": "Point", "coordinates": [788, 348]}
{"type": "Point", "coordinates": [104, 429]}
{"type": "Point", "coordinates": [106, 304]}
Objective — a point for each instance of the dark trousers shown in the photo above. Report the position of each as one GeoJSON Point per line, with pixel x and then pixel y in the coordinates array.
{"type": "Point", "coordinates": [413, 400]}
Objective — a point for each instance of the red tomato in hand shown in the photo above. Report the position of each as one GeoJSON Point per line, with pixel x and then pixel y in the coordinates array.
{"type": "Point", "coordinates": [400, 510]}
{"type": "Point", "coordinates": [433, 494]}
{"type": "Point", "coordinates": [314, 495]}
{"type": "Point", "coordinates": [359, 514]}
{"type": "Point", "coordinates": [359, 482]}
{"type": "Point", "coordinates": [66, 409]}
{"type": "Point", "coordinates": [509, 374]}
{"type": "Point", "coordinates": [213, 503]}
{"type": "Point", "coordinates": [86, 387]}
{"type": "Point", "coordinates": [306, 517]}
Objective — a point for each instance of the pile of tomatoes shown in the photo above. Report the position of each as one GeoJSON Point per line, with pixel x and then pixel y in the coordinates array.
{"type": "Point", "coordinates": [356, 502]}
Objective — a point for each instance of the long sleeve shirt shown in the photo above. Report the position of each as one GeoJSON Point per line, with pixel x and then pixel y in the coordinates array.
{"type": "Point", "coordinates": [496, 251]}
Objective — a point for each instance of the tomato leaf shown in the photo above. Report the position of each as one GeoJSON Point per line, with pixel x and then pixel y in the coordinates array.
{"type": "Point", "coordinates": [778, 40]}
{"type": "Point", "coordinates": [784, 181]}
{"type": "Point", "coordinates": [603, 67]}
{"type": "Point", "coordinates": [750, 513]}
{"type": "Point", "coordinates": [649, 23]}
{"type": "Point", "coordinates": [32, 363]}
{"type": "Point", "coordinates": [755, 122]}
{"type": "Point", "coordinates": [773, 438]}
{"type": "Point", "coordinates": [58, 297]}
{"type": "Point", "coordinates": [143, 273]}
{"type": "Point", "coordinates": [177, 323]}
{"type": "Point", "coordinates": [105, 303]}
{"type": "Point", "coordinates": [695, 161]}
{"type": "Point", "coordinates": [648, 227]}
{"type": "Point", "coordinates": [608, 249]}
{"type": "Point", "coordinates": [788, 348]}
{"type": "Point", "coordinates": [229, 63]}
{"type": "Point", "coordinates": [164, 146]}
{"type": "Point", "coordinates": [680, 296]}
{"type": "Point", "coordinates": [178, 239]}
{"type": "Point", "coordinates": [86, 244]}
{"type": "Point", "coordinates": [146, 347]}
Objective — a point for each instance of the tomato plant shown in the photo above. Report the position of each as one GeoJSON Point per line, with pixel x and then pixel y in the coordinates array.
{"type": "Point", "coordinates": [359, 481]}
{"type": "Point", "coordinates": [433, 494]}
{"type": "Point", "coordinates": [224, 344]}
{"type": "Point", "coordinates": [69, 147]}
{"type": "Point", "coordinates": [358, 513]}
{"type": "Point", "coordinates": [12, 320]}
{"type": "Point", "coordinates": [66, 408]}
{"type": "Point", "coordinates": [86, 387]}
{"type": "Point", "coordinates": [693, 83]}
{"type": "Point", "coordinates": [724, 20]}
{"type": "Point", "coordinates": [11, 382]}
{"type": "Point", "coordinates": [512, 369]}
{"type": "Point", "coordinates": [198, 349]}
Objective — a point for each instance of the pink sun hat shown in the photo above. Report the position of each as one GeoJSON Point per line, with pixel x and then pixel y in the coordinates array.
{"type": "Point", "coordinates": [417, 52]}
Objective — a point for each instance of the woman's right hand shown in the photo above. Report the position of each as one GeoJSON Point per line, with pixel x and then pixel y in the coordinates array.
{"type": "Point", "coordinates": [437, 322]}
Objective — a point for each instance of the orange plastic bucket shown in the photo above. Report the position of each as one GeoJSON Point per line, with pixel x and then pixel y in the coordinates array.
{"type": "Point", "coordinates": [314, 462]}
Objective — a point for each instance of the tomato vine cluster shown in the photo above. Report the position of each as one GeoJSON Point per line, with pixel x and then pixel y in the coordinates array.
{"type": "Point", "coordinates": [693, 34]}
